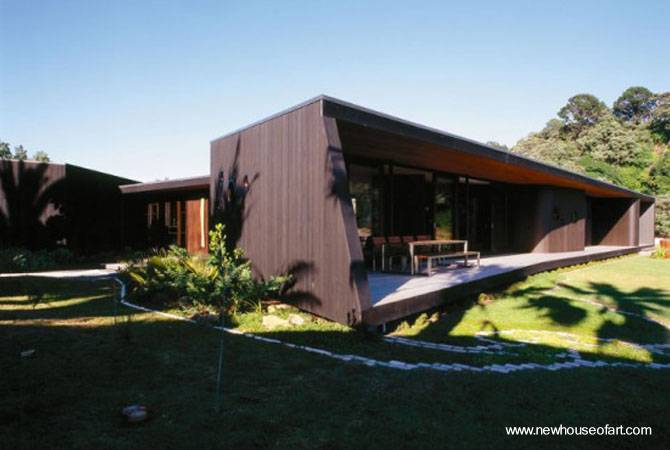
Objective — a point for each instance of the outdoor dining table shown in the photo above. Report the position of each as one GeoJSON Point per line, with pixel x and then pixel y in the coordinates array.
{"type": "Point", "coordinates": [426, 243]}
{"type": "Point", "coordinates": [431, 243]}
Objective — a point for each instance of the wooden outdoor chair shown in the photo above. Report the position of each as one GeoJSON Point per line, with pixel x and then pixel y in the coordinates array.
{"type": "Point", "coordinates": [395, 250]}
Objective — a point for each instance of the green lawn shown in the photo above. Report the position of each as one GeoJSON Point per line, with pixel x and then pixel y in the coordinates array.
{"type": "Point", "coordinates": [92, 359]}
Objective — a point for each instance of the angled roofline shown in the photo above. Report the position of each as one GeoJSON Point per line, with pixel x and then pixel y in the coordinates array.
{"type": "Point", "coordinates": [346, 111]}
{"type": "Point", "coordinates": [272, 116]}
{"type": "Point", "coordinates": [179, 184]}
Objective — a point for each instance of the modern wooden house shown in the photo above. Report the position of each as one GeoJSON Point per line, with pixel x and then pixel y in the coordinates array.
{"type": "Point", "coordinates": [315, 189]}
{"type": "Point", "coordinates": [43, 205]}
{"type": "Point", "coordinates": [305, 190]}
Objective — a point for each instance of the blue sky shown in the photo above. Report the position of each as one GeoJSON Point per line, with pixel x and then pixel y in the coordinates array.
{"type": "Point", "coordinates": [139, 88]}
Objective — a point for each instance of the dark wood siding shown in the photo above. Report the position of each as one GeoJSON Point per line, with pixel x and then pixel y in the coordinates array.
{"type": "Point", "coordinates": [547, 219]}
{"type": "Point", "coordinates": [561, 219]}
{"type": "Point", "coordinates": [32, 198]}
{"type": "Point", "coordinates": [647, 218]}
{"type": "Point", "coordinates": [295, 215]}
{"type": "Point", "coordinates": [44, 204]}
{"type": "Point", "coordinates": [615, 221]}
{"type": "Point", "coordinates": [94, 210]}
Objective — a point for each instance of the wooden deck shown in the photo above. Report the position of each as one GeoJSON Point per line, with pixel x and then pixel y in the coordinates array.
{"type": "Point", "coordinates": [395, 296]}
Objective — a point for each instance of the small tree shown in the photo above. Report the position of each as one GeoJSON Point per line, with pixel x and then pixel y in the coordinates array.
{"type": "Point", "coordinates": [634, 105]}
{"type": "Point", "coordinates": [581, 112]}
{"type": "Point", "coordinates": [20, 153]}
{"type": "Point", "coordinates": [41, 156]}
{"type": "Point", "coordinates": [5, 151]}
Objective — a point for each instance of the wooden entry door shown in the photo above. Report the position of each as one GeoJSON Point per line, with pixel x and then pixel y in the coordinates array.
{"type": "Point", "coordinates": [197, 226]}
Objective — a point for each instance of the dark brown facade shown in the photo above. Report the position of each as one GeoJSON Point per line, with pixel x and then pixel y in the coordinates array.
{"type": "Point", "coordinates": [294, 214]}
{"type": "Point", "coordinates": [43, 205]}
{"type": "Point", "coordinates": [301, 190]}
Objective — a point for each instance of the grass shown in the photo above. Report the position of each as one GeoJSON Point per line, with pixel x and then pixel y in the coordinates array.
{"type": "Point", "coordinates": [91, 359]}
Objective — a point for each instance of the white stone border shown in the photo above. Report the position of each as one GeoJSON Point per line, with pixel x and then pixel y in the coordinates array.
{"type": "Point", "coordinates": [574, 362]}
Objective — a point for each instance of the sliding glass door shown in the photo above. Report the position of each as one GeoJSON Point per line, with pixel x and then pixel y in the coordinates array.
{"type": "Point", "coordinates": [366, 198]}
{"type": "Point", "coordinates": [444, 207]}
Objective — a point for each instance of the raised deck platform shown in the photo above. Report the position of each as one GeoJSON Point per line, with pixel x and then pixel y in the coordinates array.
{"type": "Point", "coordinates": [395, 296]}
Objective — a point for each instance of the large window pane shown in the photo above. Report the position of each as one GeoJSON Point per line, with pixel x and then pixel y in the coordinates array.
{"type": "Point", "coordinates": [364, 186]}
{"type": "Point", "coordinates": [444, 208]}
{"type": "Point", "coordinates": [412, 201]}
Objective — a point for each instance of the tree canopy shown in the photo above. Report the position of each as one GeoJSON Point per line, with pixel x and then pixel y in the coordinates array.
{"type": "Point", "coordinates": [634, 105]}
{"type": "Point", "coordinates": [581, 111]}
{"type": "Point", "coordinates": [20, 153]}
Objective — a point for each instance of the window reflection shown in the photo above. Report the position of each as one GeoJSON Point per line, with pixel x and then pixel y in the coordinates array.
{"type": "Point", "coordinates": [364, 187]}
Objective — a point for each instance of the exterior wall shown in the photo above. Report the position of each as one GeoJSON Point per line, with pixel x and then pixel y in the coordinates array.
{"type": "Point", "coordinates": [43, 205]}
{"type": "Point", "coordinates": [561, 220]}
{"type": "Point", "coordinates": [94, 210]}
{"type": "Point", "coordinates": [294, 215]}
{"type": "Point", "coordinates": [32, 196]}
{"type": "Point", "coordinates": [647, 218]}
{"type": "Point", "coordinates": [548, 220]}
{"type": "Point", "coordinates": [615, 221]}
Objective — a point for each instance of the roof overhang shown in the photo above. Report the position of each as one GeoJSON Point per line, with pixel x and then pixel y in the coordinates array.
{"type": "Point", "coordinates": [494, 164]}
{"type": "Point", "coordinates": [179, 185]}
{"type": "Point", "coordinates": [464, 155]}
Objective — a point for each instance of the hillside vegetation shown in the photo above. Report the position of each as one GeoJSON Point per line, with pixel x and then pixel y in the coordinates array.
{"type": "Point", "coordinates": [627, 144]}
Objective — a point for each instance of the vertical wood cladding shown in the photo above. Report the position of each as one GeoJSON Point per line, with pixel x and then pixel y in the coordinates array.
{"type": "Point", "coordinates": [94, 210]}
{"type": "Point", "coordinates": [45, 204]}
{"type": "Point", "coordinates": [548, 220]}
{"type": "Point", "coordinates": [296, 214]}
{"type": "Point", "coordinates": [615, 221]}
{"type": "Point", "coordinates": [647, 218]}
{"type": "Point", "coordinates": [32, 196]}
{"type": "Point", "coordinates": [561, 220]}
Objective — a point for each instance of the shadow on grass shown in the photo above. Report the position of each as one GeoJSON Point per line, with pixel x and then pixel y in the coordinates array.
{"type": "Point", "coordinates": [642, 302]}
{"type": "Point", "coordinates": [68, 395]}
{"type": "Point", "coordinates": [48, 298]}
{"type": "Point", "coordinates": [565, 312]}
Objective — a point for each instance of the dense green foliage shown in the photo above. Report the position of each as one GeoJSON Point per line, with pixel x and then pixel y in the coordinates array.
{"type": "Point", "coordinates": [224, 278]}
{"type": "Point", "coordinates": [628, 144]}
{"type": "Point", "coordinates": [663, 216]}
{"type": "Point", "coordinates": [21, 153]}
{"type": "Point", "coordinates": [23, 260]}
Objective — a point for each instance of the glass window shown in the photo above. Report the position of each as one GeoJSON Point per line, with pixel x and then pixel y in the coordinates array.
{"type": "Point", "coordinates": [444, 208]}
{"type": "Point", "coordinates": [153, 213]}
{"type": "Point", "coordinates": [412, 201]}
{"type": "Point", "coordinates": [365, 198]}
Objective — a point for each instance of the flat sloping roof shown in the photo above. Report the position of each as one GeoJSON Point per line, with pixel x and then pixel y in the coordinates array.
{"type": "Point", "coordinates": [349, 112]}
{"type": "Point", "coordinates": [180, 184]}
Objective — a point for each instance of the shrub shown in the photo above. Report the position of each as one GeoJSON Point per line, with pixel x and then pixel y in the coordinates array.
{"type": "Point", "coordinates": [24, 260]}
{"type": "Point", "coordinates": [223, 279]}
{"type": "Point", "coordinates": [659, 253]}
